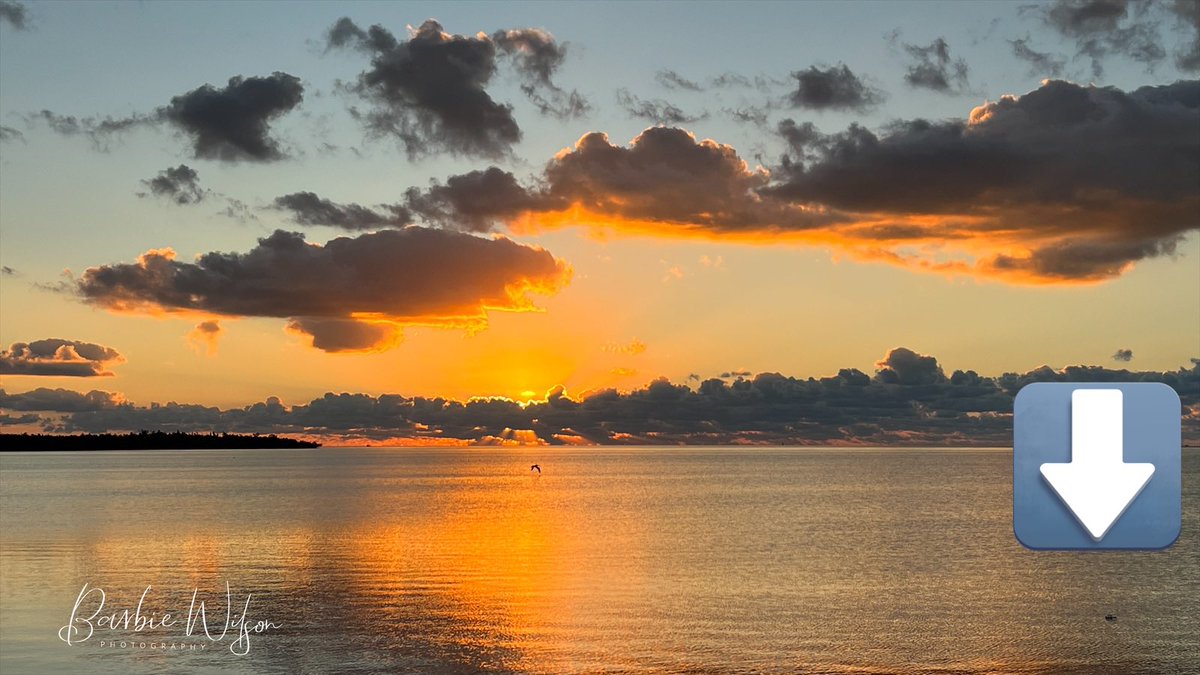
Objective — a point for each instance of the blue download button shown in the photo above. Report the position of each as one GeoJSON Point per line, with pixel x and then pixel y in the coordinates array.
{"type": "Point", "coordinates": [1096, 465]}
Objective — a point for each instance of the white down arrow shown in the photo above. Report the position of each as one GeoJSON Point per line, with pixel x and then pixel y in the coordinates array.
{"type": "Point", "coordinates": [1097, 485]}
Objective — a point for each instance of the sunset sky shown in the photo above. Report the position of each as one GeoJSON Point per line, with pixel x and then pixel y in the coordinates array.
{"type": "Point", "coordinates": [219, 203]}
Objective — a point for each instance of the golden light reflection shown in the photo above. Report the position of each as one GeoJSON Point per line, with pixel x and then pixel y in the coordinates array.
{"type": "Point", "coordinates": [499, 559]}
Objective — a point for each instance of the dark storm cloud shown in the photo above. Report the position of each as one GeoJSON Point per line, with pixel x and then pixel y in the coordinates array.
{"type": "Point", "coordinates": [1125, 355]}
{"type": "Point", "coordinates": [655, 110]}
{"type": "Point", "coordinates": [833, 88]}
{"type": "Point", "coordinates": [920, 407]}
{"type": "Point", "coordinates": [1103, 27]}
{"type": "Point", "coordinates": [537, 55]}
{"type": "Point", "coordinates": [232, 123]}
{"type": "Point", "coordinates": [429, 91]}
{"type": "Point", "coordinates": [1040, 63]}
{"type": "Point", "coordinates": [478, 200]}
{"type": "Point", "coordinates": [14, 14]}
{"type": "Point", "coordinates": [307, 208]}
{"type": "Point", "coordinates": [56, 357]}
{"type": "Point", "coordinates": [396, 278]}
{"type": "Point", "coordinates": [932, 67]}
{"type": "Point", "coordinates": [1083, 181]}
{"type": "Point", "coordinates": [179, 184]}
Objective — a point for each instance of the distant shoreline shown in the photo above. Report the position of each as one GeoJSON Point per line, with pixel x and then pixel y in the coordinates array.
{"type": "Point", "coordinates": [147, 440]}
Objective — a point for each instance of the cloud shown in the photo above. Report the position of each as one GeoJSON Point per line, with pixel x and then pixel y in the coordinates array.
{"type": "Point", "coordinates": [670, 79]}
{"type": "Point", "coordinates": [537, 55]}
{"type": "Point", "coordinates": [909, 401]}
{"type": "Point", "coordinates": [8, 271]}
{"type": "Point", "coordinates": [665, 180]}
{"type": "Point", "coordinates": [1040, 63]}
{"type": "Point", "coordinates": [477, 200]}
{"type": "Point", "coordinates": [346, 335]}
{"type": "Point", "coordinates": [233, 123]}
{"type": "Point", "coordinates": [904, 366]}
{"type": "Point", "coordinates": [10, 134]}
{"type": "Point", "coordinates": [14, 14]}
{"type": "Point", "coordinates": [12, 420]}
{"type": "Point", "coordinates": [654, 110]}
{"type": "Point", "coordinates": [99, 130]}
{"type": "Point", "coordinates": [1187, 15]}
{"type": "Point", "coordinates": [309, 209]}
{"type": "Point", "coordinates": [206, 336]}
{"type": "Point", "coordinates": [1125, 355]}
{"type": "Point", "coordinates": [748, 115]}
{"type": "Point", "coordinates": [56, 357]}
{"type": "Point", "coordinates": [633, 348]}
{"type": "Point", "coordinates": [932, 67]}
{"type": "Point", "coordinates": [1064, 183]}
{"type": "Point", "coordinates": [59, 400]}
{"type": "Point", "coordinates": [1103, 27]}
{"type": "Point", "coordinates": [343, 292]}
{"type": "Point", "coordinates": [429, 91]}
{"type": "Point", "coordinates": [833, 88]}
{"type": "Point", "coordinates": [236, 209]}
{"type": "Point", "coordinates": [180, 184]}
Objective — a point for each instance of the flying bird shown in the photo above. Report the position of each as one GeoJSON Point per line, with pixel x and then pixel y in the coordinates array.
{"type": "Point", "coordinates": [536, 468]}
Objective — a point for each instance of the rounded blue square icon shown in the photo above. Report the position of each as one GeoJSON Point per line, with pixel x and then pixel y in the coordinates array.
{"type": "Point", "coordinates": [1096, 465]}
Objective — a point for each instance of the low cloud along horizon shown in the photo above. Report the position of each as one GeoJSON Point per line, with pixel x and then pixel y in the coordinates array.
{"type": "Point", "coordinates": [908, 401]}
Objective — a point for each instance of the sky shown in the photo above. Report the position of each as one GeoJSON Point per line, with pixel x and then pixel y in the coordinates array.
{"type": "Point", "coordinates": [224, 205]}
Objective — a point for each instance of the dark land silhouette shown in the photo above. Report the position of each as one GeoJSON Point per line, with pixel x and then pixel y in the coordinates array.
{"type": "Point", "coordinates": [147, 440]}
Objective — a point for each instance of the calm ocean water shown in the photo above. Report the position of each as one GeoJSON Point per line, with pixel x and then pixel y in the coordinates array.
{"type": "Point", "coordinates": [693, 560]}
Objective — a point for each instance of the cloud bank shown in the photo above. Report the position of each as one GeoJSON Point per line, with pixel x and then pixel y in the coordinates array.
{"type": "Point", "coordinates": [908, 401]}
{"type": "Point", "coordinates": [1063, 184]}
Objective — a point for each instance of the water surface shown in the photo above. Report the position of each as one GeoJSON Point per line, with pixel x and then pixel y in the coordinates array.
{"type": "Point", "coordinates": [698, 560]}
